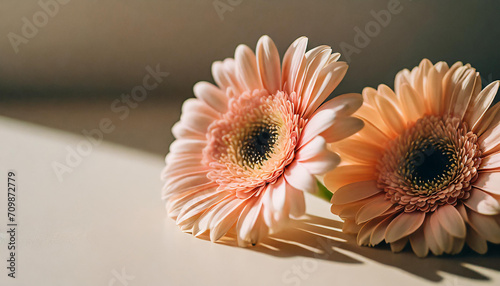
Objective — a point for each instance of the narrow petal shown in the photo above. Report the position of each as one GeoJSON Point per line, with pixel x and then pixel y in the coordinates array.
{"type": "Point", "coordinates": [355, 192]}
{"type": "Point", "coordinates": [378, 233]}
{"type": "Point", "coordinates": [373, 209]}
{"type": "Point", "coordinates": [430, 238]}
{"type": "Point", "coordinates": [268, 61]}
{"type": "Point", "coordinates": [328, 79]}
{"type": "Point", "coordinates": [293, 64]}
{"type": "Point", "coordinates": [414, 106]}
{"type": "Point", "coordinates": [225, 217]}
{"type": "Point", "coordinates": [418, 243]}
{"type": "Point", "coordinates": [251, 226]}
{"type": "Point", "coordinates": [391, 115]}
{"type": "Point", "coordinates": [211, 95]}
{"type": "Point", "coordinates": [434, 90]}
{"type": "Point", "coordinates": [440, 234]}
{"type": "Point", "coordinates": [365, 232]}
{"type": "Point", "coordinates": [404, 225]}
{"type": "Point", "coordinates": [463, 94]}
{"type": "Point", "coordinates": [246, 66]}
{"type": "Point", "coordinates": [482, 102]}
{"type": "Point", "coordinates": [476, 242]}
{"type": "Point", "coordinates": [342, 128]}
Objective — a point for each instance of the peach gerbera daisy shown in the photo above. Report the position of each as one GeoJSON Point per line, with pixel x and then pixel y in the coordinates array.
{"type": "Point", "coordinates": [426, 167]}
{"type": "Point", "coordinates": [247, 147]}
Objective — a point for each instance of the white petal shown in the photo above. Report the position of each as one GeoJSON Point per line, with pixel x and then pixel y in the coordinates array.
{"type": "Point", "coordinates": [300, 178]}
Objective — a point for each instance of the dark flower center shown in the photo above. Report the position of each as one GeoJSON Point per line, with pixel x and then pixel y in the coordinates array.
{"type": "Point", "coordinates": [429, 164]}
{"type": "Point", "coordinates": [258, 143]}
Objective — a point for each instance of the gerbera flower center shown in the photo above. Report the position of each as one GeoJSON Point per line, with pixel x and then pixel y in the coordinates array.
{"type": "Point", "coordinates": [258, 144]}
{"type": "Point", "coordinates": [432, 163]}
{"type": "Point", "coordinates": [252, 143]}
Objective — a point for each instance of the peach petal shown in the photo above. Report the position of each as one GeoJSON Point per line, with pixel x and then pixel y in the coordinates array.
{"type": "Point", "coordinates": [373, 209]}
{"type": "Point", "coordinates": [365, 232]}
{"type": "Point", "coordinates": [211, 95]}
{"type": "Point", "coordinates": [328, 79]}
{"type": "Point", "coordinates": [296, 201]}
{"type": "Point", "coordinates": [404, 225]}
{"type": "Point", "coordinates": [450, 219]}
{"type": "Point", "coordinates": [491, 115]}
{"type": "Point", "coordinates": [413, 105]}
{"type": "Point", "coordinates": [187, 146]}
{"type": "Point", "coordinates": [342, 128]}
{"type": "Point", "coordinates": [359, 150]}
{"type": "Point", "coordinates": [486, 226]}
{"type": "Point", "coordinates": [225, 218]}
{"type": "Point", "coordinates": [198, 204]}
{"type": "Point", "coordinates": [463, 94]}
{"type": "Point", "coordinates": [378, 234]}
{"type": "Point", "coordinates": [300, 178]}
{"type": "Point", "coordinates": [268, 61]}
{"type": "Point", "coordinates": [347, 174]}
{"type": "Point", "coordinates": [489, 182]}
{"type": "Point", "coordinates": [430, 238]}
{"type": "Point", "coordinates": [419, 243]}
{"type": "Point", "coordinates": [345, 104]}
{"type": "Point", "coordinates": [198, 122]}
{"type": "Point", "coordinates": [319, 122]}
{"type": "Point", "coordinates": [246, 67]}
{"type": "Point", "coordinates": [350, 227]}
{"type": "Point", "coordinates": [293, 64]}
{"type": "Point", "coordinates": [251, 226]}
{"type": "Point", "coordinates": [355, 192]}
{"type": "Point", "coordinates": [391, 115]}
{"type": "Point", "coordinates": [315, 61]}
{"type": "Point", "coordinates": [180, 130]}
{"type": "Point", "coordinates": [491, 162]}
{"type": "Point", "coordinates": [481, 103]}
{"type": "Point", "coordinates": [482, 203]}
{"type": "Point", "coordinates": [434, 90]}
{"type": "Point", "coordinates": [399, 245]}
{"type": "Point", "coordinates": [194, 105]}
{"type": "Point", "coordinates": [476, 242]}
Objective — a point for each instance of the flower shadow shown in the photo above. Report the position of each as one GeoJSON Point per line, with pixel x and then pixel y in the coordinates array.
{"type": "Point", "coordinates": [321, 238]}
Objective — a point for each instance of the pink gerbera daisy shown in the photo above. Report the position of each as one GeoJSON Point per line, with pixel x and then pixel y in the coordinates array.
{"type": "Point", "coordinates": [247, 147]}
{"type": "Point", "coordinates": [425, 170]}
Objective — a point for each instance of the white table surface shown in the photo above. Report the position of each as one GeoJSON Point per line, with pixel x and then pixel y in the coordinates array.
{"type": "Point", "coordinates": [107, 217]}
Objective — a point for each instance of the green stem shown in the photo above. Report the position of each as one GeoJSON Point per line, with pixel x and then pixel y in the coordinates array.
{"type": "Point", "coordinates": [323, 192]}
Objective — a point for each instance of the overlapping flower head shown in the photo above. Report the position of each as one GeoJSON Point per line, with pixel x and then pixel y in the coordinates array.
{"type": "Point", "coordinates": [425, 169]}
{"type": "Point", "coordinates": [248, 147]}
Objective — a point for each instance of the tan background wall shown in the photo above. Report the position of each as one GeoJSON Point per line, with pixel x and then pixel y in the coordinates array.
{"type": "Point", "coordinates": [90, 52]}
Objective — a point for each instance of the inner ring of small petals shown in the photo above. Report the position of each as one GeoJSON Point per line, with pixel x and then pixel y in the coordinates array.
{"type": "Point", "coordinates": [430, 164]}
{"type": "Point", "coordinates": [252, 143]}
